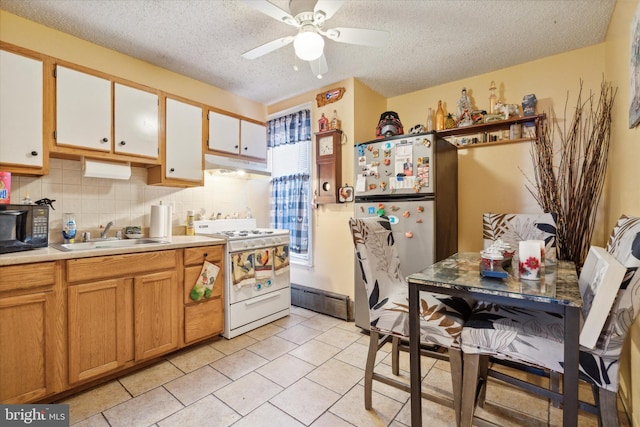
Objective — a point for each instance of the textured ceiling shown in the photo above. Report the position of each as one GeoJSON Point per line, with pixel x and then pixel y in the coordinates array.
{"type": "Point", "coordinates": [430, 43]}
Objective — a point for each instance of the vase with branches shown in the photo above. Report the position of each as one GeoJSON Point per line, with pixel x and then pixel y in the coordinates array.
{"type": "Point", "coordinates": [570, 171]}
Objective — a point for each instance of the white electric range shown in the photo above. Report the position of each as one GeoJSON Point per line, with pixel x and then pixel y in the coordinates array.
{"type": "Point", "coordinates": [257, 279]}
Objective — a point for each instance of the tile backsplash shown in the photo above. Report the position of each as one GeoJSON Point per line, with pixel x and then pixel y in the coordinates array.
{"type": "Point", "coordinates": [96, 201]}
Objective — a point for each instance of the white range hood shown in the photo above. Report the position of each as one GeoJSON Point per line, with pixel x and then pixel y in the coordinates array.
{"type": "Point", "coordinates": [215, 162]}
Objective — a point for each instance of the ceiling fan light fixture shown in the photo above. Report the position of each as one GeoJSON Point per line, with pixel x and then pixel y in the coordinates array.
{"type": "Point", "coordinates": [308, 45]}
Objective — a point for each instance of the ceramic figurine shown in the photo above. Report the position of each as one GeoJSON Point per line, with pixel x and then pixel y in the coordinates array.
{"type": "Point", "coordinates": [323, 123]}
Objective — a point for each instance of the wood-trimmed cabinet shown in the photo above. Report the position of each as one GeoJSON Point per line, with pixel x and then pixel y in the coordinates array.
{"type": "Point", "coordinates": [99, 116]}
{"type": "Point", "coordinates": [236, 137]}
{"type": "Point", "coordinates": [22, 111]}
{"type": "Point", "coordinates": [182, 157]}
{"type": "Point", "coordinates": [203, 318]}
{"type": "Point", "coordinates": [30, 345]}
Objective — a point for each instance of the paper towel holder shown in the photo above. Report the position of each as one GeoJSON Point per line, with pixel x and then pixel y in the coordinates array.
{"type": "Point", "coordinates": [93, 168]}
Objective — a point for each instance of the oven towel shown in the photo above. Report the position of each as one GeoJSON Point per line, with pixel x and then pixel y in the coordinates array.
{"type": "Point", "coordinates": [205, 282]}
{"type": "Point", "coordinates": [243, 271]}
{"type": "Point", "coordinates": [281, 258]}
{"type": "Point", "coordinates": [264, 264]}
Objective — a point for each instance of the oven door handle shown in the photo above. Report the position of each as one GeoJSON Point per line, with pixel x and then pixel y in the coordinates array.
{"type": "Point", "coordinates": [262, 298]}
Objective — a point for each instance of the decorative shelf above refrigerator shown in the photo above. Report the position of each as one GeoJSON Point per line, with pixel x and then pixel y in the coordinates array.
{"type": "Point", "coordinates": [493, 127]}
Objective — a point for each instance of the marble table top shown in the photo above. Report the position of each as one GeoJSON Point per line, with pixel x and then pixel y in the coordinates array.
{"type": "Point", "coordinates": [558, 283]}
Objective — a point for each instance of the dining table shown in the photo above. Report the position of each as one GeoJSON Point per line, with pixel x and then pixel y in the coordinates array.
{"type": "Point", "coordinates": [460, 275]}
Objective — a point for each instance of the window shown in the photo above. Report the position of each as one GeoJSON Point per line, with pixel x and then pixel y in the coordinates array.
{"type": "Point", "coordinates": [289, 151]}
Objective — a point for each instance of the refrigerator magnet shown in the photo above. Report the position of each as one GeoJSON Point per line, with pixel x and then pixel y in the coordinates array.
{"type": "Point", "coordinates": [393, 219]}
{"type": "Point", "coordinates": [387, 145]}
{"type": "Point", "coordinates": [408, 234]}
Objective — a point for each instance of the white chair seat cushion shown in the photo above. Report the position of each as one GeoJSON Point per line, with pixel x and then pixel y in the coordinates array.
{"type": "Point", "coordinates": [533, 337]}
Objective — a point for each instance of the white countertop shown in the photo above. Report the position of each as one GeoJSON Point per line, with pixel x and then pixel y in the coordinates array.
{"type": "Point", "coordinates": [52, 254]}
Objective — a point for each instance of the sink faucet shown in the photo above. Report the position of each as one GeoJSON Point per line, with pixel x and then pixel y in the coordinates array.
{"type": "Point", "coordinates": [103, 235]}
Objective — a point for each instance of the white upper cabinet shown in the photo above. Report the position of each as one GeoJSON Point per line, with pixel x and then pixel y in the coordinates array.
{"type": "Point", "coordinates": [136, 121]}
{"type": "Point", "coordinates": [253, 140]}
{"type": "Point", "coordinates": [21, 106]}
{"type": "Point", "coordinates": [183, 142]}
{"type": "Point", "coordinates": [224, 133]}
{"type": "Point", "coordinates": [83, 110]}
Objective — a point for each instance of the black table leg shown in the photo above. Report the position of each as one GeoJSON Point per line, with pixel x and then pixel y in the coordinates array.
{"type": "Point", "coordinates": [571, 366]}
{"type": "Point", "coordinates": [414, 356]}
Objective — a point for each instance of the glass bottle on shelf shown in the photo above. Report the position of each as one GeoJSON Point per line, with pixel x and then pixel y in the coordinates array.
{"type": "Point", "coordinates": [335, 123]}
{"type": "Point", "coordinates": [429, 120]}
{"type": "Point", "coordinates": [493, 99]}
{"type": "Point", "coordinates": [439, 117]}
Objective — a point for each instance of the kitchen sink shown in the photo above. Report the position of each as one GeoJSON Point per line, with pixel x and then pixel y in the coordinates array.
{"type": "Point", "coordinates": [104, 244]}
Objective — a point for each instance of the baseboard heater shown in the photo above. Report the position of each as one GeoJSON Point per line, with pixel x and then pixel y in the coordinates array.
{"type": "Point", "coordinates": [325, 302]}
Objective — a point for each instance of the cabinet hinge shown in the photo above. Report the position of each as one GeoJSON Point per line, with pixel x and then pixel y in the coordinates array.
{"type": "Point", "coordinates": [55, 135]}
{"type": "Point", "coordinates": [55, 73]}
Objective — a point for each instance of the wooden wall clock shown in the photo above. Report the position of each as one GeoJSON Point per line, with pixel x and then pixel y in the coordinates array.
{"type": "Point", "coordinates": [328, 165]}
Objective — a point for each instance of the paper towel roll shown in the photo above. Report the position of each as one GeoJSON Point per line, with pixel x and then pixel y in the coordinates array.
{"type": "Point", "coordinates": [160, 216]}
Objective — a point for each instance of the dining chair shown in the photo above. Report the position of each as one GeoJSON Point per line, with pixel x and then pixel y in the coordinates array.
{"type": "Point", "coordinates": [534, 339]}
{"type": "Point", "coordinates": [512, 228]}
{"type": "Point", "coordinates": [441, 317]}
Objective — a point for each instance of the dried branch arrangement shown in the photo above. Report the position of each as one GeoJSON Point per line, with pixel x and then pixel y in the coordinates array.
{"type": "Point", "coordinates": [569, 181]}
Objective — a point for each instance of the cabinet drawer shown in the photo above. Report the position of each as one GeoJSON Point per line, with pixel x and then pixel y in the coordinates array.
{"type": "Point", "coordinates": [202, 320]}
{"type": "Point", "coordinates": [107, 267]}
{"type": "Point", "coordinates": [197, 255]}
{"type": "Point", "coordinates": [191, 275]}
{"type": "Point", "coordinates": [27, 276]}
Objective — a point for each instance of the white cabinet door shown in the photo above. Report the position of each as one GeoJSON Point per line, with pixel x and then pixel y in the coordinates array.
{"type": "Point", "coordinates": [224, 133]}
{"type": "Point", "coordinates": [183, 141]}
{"type": "Point", "coordinates": [83, 107]}
{"type": "Point", "coordinates": [20, 110]}
{"type": "Point", "coordinates": [253, 140]}
{"type": "Point", "coordinates": [136, 121]}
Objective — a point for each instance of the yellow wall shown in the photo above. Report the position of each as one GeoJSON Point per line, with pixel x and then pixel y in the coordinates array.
{"type": "Point", "coordinates": [623, 195]}
{"type": "Point", "coordinates": [494, 178]}
{"type": "Point", "coordinates": [30, 35]}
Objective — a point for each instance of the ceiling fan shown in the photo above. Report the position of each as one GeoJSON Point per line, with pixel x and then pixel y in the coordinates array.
{"type": "Point", "coordinates": [309, 17]}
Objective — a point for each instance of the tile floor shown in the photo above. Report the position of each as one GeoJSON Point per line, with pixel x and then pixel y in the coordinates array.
{"type": "Point", "coordinates": [303, 370]}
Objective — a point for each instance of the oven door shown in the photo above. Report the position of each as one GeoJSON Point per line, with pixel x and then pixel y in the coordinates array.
{"type": "Point", "coordinates": [260, 281]}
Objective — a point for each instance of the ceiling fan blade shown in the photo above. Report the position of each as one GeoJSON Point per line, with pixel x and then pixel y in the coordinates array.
{"type": "Point", "coordinates": [267, 47]}
{"type": "Point", "coordinates": [272, 10]}
{"type": "Point", "coordinates": [328, 7]}
{"type": "Point", "coordinates": [357, 36]}
{"type": "Point", "coordinates": [319, 66]}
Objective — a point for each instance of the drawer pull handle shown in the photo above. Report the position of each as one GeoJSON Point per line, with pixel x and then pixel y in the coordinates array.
{"type": "Point", "coordinates": [206, 254]}
{"type": "Point", "coordinates": [262, 298]}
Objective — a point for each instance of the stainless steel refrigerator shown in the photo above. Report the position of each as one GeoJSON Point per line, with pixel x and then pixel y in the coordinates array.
{"type": "Point", "coordinates": [413, 180]}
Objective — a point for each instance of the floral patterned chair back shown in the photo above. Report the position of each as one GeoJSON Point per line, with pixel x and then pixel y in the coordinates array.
{"type": "Point", "coordinates": [442, 317]}
{"type": "Point", "coordinates": [624, 245]}
{"type": "Point", "coordinates": [512, 228]}
{"type": "Point", "coordinates": [541, 345]}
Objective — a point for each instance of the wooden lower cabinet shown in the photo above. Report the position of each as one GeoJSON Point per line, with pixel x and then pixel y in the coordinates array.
{"type": "Point", "coordinates": [156, 314]}
{"type": "Point", "coordinates": [66, 324]}
{"type": "Point", "coordinates": [204, 318]}
{"type": "Point", "coordinates": [28, 317]}
{"type": "Point", "coordinates": [121, 309]}
{"type": "Point", "coordinates": [100, 317]}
